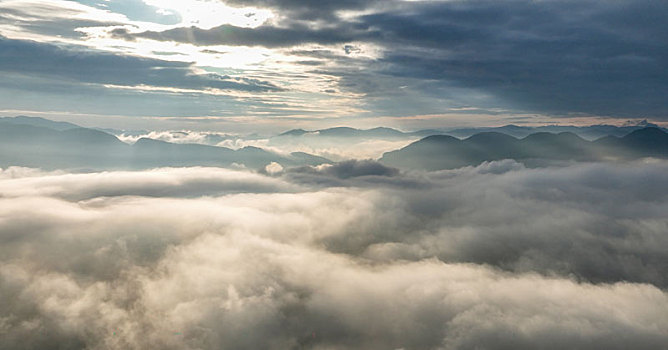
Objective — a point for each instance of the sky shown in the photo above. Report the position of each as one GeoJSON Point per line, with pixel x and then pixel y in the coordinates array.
{"type": "Point", "coordinates": [274, 65]}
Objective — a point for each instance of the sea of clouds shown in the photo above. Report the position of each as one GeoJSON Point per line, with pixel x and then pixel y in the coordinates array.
{"type": "Point", "coordinates": [348, 256]}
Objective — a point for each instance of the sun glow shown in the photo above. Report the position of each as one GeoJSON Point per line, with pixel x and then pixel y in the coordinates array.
{"type": "Point", "coordinates": [209, 14]}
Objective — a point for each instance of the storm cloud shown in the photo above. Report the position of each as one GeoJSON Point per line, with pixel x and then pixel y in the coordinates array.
{"type": "Point", "coordinates": [496, 256]}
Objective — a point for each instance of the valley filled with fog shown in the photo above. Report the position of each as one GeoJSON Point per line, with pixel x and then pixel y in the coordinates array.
{"type": "Point", "coordinates": [349, 254]}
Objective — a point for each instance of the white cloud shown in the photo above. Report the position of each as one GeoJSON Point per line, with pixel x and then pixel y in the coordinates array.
{"type": "Point", "coordinates": [273, 168]}
{"type": "Point", "coordinates": [487, 257]}
{"type": "Point", "coordinates": [209, 14]}
{"type": "Point", "coordinates": [174, 182]}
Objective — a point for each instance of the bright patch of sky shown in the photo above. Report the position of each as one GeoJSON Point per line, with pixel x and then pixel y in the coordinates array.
{"type": "Point", "coordinates": [201, 13]}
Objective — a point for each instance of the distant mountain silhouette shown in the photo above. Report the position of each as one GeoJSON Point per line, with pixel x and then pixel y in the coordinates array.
{"type": "Point", "coordinates": [591, 132]}
{"type": "Point", "coordinates": [37, 121]}
{"type": "Point", "coordinates": [294, 132]}
{"type": "Point", "coordinates": [347, 132]}
{"type": "Point", "coordinates": [39, 142]}
{"type": "Point", "coordinates": [446, 152]}
{"type": "Point", "coordinates": [154, 153]}
{"type": "Point", "coordinates": [588, 132]}
{"type": "Point", "coordinates": [81, 148]}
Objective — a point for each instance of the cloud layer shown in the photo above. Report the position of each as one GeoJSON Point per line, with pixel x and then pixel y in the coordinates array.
{"type": "Point", "coordinates": [354, 255]}
{"type": "Point", "coordinates": [94, 67]}
{"type": "Point", "coordinates": [359, 59]}
{"type": "Point", "coordinates": [524, 55]}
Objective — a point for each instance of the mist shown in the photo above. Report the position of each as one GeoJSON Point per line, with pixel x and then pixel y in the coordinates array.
{"type": "Point", "coordinates": [354, 255]}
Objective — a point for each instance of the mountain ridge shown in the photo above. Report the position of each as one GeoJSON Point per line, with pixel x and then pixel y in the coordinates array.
{"type": "Point", "coordinates": [39, 121]}
{"type": "Point", "coordinates": [440, 152]}
{"type": "Point", "coordinates": [590, 132]}
{"type": "Point", "coordinates": [83, 148]}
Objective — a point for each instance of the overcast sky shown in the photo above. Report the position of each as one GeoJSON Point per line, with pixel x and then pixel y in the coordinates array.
{"type": "Point", "coordinates": [272, 65]}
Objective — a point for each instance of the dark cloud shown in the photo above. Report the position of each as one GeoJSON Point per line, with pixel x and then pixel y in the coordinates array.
{"type": "Point", "coordinates": [61, 27]}
{"type": "Point", "coordinates": [353, 168]}
{"type": "Point", "coordinates": [310, 63]}
{"type": "Point", "coordinates": [553, 57]}
{"type": "Point", "coordinates": [37, 18]}
{"type": "Point", "coordinates": [556, 57]}
{"type": "Point", "coordinates": [305, 9]}
{"type": "Point", "coordinates": [266, 35]}
{"type": "Point", "coordinates": [534, 58]}
{"type": "Point", "coordinates": [348, 49]}
{"type": "Point", "coordinates": [46, 61]}
{"type": "Point", "coordinates": [349, 173]}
